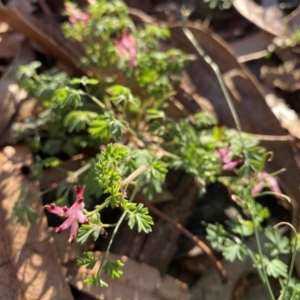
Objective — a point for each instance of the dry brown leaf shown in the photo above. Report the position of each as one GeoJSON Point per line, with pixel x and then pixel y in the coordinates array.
{"type": "Point", "coordinates": [252, 46]}
{"type": "Point", "coordinates": [287, 117]}
{"type": "Point", "coordinates": [254, 113]}
{"type": "Point", "coordinates": [11, 94]}
{"type": "Point", "coordinates": [281, 77]}
{"type": "Point", "coordinates": [30, 268]}
{"type": "Point", "coordinates": [268, 18]}
{"type": "Point", "coordinates": [252, 109]}
{"type": "Point", "coordinates": [139, 282]}
{"type": "Point", "coordinates": [10, 44]}
{"type": "Point", "coordinates": [20, 23]}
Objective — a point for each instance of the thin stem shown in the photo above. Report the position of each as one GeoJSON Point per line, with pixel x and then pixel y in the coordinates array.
{"type": "Point", "coordinates": [218, 74]}
{"type": "Point", "coordinates": [97, 209]}
{"type": "Point", "coordinates": [249, 251]}
{"type": "Point", "coordinates": [292, 260]}
{"type": "Point", "coordinates": [74, 175]}
{"type": "Point", "coordinates": [134, 175]}
{"type": "Point", "coordinates": [104, 257]}
{"type": "Point", "coordinates": [264, 273]}
{"type": "Point", "coordinates": [189, 235]}
{"type": "Point", "coordinates": [217, 71]}
{"type": "Point", "coordinates": [95, 100]}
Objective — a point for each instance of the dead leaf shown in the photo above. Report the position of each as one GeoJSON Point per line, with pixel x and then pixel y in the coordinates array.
{"type": "Point", "coordinates": [29, 264]}
{"type": "Point", "coordinates": [10, 43]}
{"type": "Point", "coordinates": [19, 22]}
{"type": "Point", "coordinates": [287, 117]}
{"type": "Point", "coordinates": [285, 76]}
{"type": "Point", "coordinates": [254, 113]}
{"type": "Point", "coordinates": [268, 18]}
{"type": "Point", "coordinates": [139, 282]}
{"type": "Point", "coordinates": [252, 46]}
{"type": "Point", "coordinates": [11, 94]}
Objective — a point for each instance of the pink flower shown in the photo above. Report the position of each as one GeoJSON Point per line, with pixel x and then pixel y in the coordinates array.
{"type": "Point", "coordinates": [73, 214]}
{"type": "Point", "coordinates": [127, 48]}
{"type": "Point", "coordinates": [266, 178]}
{"type": "Point", "coordinates": [76, 15]}
{"type": "Point", "coordinates": [228, 164]}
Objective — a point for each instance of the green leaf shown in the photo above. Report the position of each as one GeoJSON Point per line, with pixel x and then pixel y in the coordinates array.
{"type": "Point", "coordinates": [94, 228]}
{"type": "Point", "coordinates": [78, 120]}
{"type": "Point", "coordinates": [138, 215]}
{"type": "Point", "coordinates": [106, 126]}
{"type": "Point", "coordinates": [68, 96]}
{"type": "Point", "coordinates": [117, 90]}
{"type": "Point", "coordinates": [84, 81]}
{"type": "Point", "coordinates": [51, 162]}
{"type": "Point", "coordinates": [276, 268]}
{"type": "Point", "coordinates": [243, 227]}
{"type": "Point", "coordinates": [84, 231]}
{"type": "Point", "coordinates": [232, 251]}
{"type": "Point", "coordinates": [95, 281]}
{"type": "Point", "coordinates": [204, 119]}
{"type": "Point", "coordinates": [279, 244]}
{"type": "Point", "coordinates": [155, 114]}
{"type": "Point", "coordinates": [216, 235]}
{"type": "Point", "coordinates": [88, 259]}
{"type": "Point", "coordinates": [112, 268]}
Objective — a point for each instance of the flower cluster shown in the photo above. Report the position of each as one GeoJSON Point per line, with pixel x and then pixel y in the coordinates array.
{"type": "Point", "coordinates": [228, 163]}
{"type": "Point", "coordinates": [265, 178]}
{"type": "Point", "coordinates": [73, 214]}
{"type": "Point", "coordinates": [127, 48]}
{"type": "Point", "coordinates": [76, 15]}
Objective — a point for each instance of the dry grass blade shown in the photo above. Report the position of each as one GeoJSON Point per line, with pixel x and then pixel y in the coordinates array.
{"type": "Point", "coordinates": [29, 264]}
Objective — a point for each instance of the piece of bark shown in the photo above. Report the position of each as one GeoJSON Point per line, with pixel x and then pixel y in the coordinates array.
{"type": "Point", "coordinates": [30, 268]}
{"type": "Point", "coordinates": [157, 249]}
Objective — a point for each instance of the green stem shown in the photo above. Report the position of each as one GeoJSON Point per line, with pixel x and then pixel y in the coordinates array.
{"type": "Point", "coordinates": [290, 271]}
{"type": "Point", "coordinates": [292, 260]}
{"type": "Point", "coordinates": [95, 100]}
{"type": "Point", "coordinates": [218, 74]}
{"type": "Point", "coordinates": [104, 257]}
{"type": "Point", "coordinates": [264, 273]}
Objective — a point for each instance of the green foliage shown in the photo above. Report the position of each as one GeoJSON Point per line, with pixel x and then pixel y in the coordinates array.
{"type": "Point", "coordinates": [112, 268]}
{"type": "Point", "coordinates": [293, 290]}
{"type": "Point", "coordinates": [107, 127]}
{"type": "Point", "coordinates": [124, 101]}
{"type": "Point", "coordinates": [232, 251]}
{"type": "Point", "coordinates": [138, 215]}
{"type": "Point", "coordinates": [87, 260]}
{"type": "Point", "coordinates": [278, 244]}
{"type": "Point", "coordinates": [95, 281]}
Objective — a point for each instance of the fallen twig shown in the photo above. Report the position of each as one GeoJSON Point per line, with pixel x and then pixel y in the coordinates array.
{"type": "Point", "coordinates": [188, 234]}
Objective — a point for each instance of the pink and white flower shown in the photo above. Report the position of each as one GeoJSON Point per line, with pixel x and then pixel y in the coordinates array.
{"type": "Point", "coordinates": [127, 48]}
{"type": "Point", "coordinates": [76, 15]}
{"type": "Point", "coordinates": [228, 163]}
{"type": "Point", "coordinates": [266, 178]}
{"type": "Point", "coordinates": [73, 214]}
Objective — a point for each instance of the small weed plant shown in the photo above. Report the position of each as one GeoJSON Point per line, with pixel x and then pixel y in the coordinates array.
{"type": "Point", "coordinates": [117, 114]}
